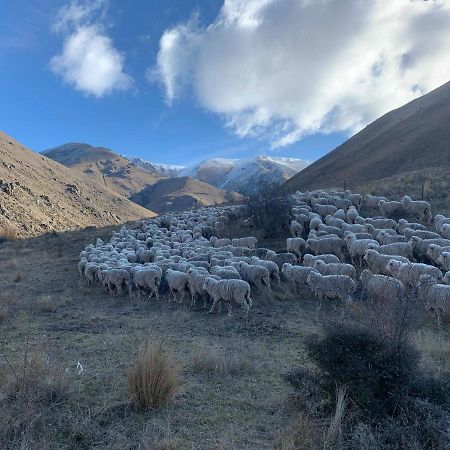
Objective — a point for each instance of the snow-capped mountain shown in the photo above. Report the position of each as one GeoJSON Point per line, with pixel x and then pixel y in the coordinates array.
{"type": "Point", "coordinates": [165, 170]}
{"type": "Point", "coordinates": [247, 176]}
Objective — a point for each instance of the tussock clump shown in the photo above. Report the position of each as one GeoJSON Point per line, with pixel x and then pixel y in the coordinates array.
{"type": "Point", "coordinates": [154, 380]}
{"type": "Point", "coordinates": [218, 360]}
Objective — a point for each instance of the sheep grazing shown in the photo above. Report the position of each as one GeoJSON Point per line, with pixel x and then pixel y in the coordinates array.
{"type": "Point", "coordinates": [309, 260]}
{"type": "Point", "coordinates": [435, 296]}
{"type": "Point", "coordinates": [335, 269]}
{"type": "Point", "coordinates": [377, 262]}
{"type": "Point", "coordinates": [331, 286]}
{"type": "Point", "coordinates": [329, 244]}
{"type": "Point", "coordinates": [178, 284]}
{"type": "Point", "coordinates": [296, 246]}
{"type": "Point", "coordinates": [418, 209]}
{"type": "Point", "coordinates": [249, 242]}
{"type": "Point", "coordinates": [380, 287]}
{"type": "Point", "coordinates": [228, 291]}
{"type": "Point", "coordinates": [410, 273]}
{"type": "Point", "coordinates": [390, 209]}
{"type": "Point", "coordinates": [296, 229]}
{"type": "Point", "coordinates": [296, 275]}
{"type": "Point", "coordinates": [256, 275]}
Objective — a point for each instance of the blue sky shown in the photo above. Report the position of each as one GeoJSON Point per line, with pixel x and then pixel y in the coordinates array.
{"type": "Point", "coordinates": [232, 79]}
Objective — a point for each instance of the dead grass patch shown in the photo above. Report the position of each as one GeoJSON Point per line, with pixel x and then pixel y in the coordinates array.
{"type": "Point", "coordinates": [7, 232]}
{"type": "Point", "coordinates": [215, 359]}
{"type": "Point", "coordinates": [154, 379]}
{"type": "Point", "coordinates": [434, 350]}
{"type": "Point", "coordinates": [46, 304]}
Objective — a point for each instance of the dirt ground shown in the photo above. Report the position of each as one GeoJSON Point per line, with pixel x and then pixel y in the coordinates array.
{"type": "Point", "coordinates": [92, 338]}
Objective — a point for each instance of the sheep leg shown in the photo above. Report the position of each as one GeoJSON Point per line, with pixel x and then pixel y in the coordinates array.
{"type": "Point", "coordinates": [215, 301]}
{"type": "Point", "coordinates": [230, 307]}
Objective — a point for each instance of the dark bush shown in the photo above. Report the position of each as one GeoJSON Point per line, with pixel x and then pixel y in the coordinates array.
{"type": "Point", "coordinates": [270, 212]}
{"type": "Point", "coordinates": [378, 376]}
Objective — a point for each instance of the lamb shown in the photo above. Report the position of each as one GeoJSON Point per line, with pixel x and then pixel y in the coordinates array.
{"type": "Point", "coordinates": [418, 209]}
{"type": "Point", "coordinates": [380, 287]}
{"type": "Point", "coordinates": [229, 291]}
{"type": "Point", "coordinates": [256, 275]}
{"type": "Point", "coordinates": [296, 275]}
{"type": "Point", "coordinates": [403, 224]}
{"type": "Point", "coordinates": [296, 229]}
{"type": "Point", "coordinates": [330, 244]}
{"type": "Point", "coordinates": [377, 262]}
{"type": "Point", "coordinates": [335, 269]}
{"type": "Point", "coordinates": [148, 278]}
{"type": "Point", "coordinates": [397, 249]}
{"type": "Point", "coordinates": [410, 273]}
{"type": "Point", "coordinates": [331, 286]}
{"type": "Point", "coordinates": [390, 209]}
{"type": "Point", "coordinates": [296, 246]}
{"type": "Point", "coordinates": [358, 247]}
{"type": "Point", "coordinates": [115, 280]}
{"type": "Point", "coordinates": [280, 258]}
{"type": "Point", "coordinates": [249, 242]}
{"type": "Point", "coordinates": [309, 260]}
{"type": "Point", "coordinates": [226, 273]}
{"type": "Point", "coordinates": [274, 271]}
{"type": "Point", "coordinates": [385, 238]}
{"type": "Point", "coordinates": [178, 284]}
{"type": "Point", "coordinates": [436, 296]}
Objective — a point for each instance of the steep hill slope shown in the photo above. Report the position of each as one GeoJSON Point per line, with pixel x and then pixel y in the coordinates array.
{"type": "Point", "coordinates": [411, 138]}
{"type": "Point", "coordinates": [163, 170]}
{"type": "Point", "coordinates": [38, 195]}
{"type": "Point", "coordinates": [105, 167]}
{"type": "Point", "coordinates": [178, 194]}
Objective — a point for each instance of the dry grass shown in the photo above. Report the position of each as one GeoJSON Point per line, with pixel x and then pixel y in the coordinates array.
{"type": "Point", "coordinates": [304, 433]}
{"type": "Point", "coordinates": [7, 232]}
{"type": "Point", "coordinates": [155, 379]}
{"type": "Point", "coordinates": [435, 351]}
{"type": "Point", "coordinates": [3, 313]}
{"type": "Point", "coordinates": [214, 359]}
{"type": "Point", "coordinates": [46, 304]}
{"type": "Point", "coordinates": [335, 430]}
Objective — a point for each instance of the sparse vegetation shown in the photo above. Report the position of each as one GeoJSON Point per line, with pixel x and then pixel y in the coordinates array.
{"type": "Point", "coordinates": [8, 233]}
{"type": "Point", "coordinates": [154, 380]}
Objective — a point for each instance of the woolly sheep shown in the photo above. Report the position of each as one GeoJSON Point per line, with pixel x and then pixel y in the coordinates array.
{"type": "Point", "coordinates": [357, 248]}
{"type": "Point", "coordinates": [420, 246]}
{"type": "Point", "coordinates": [332, 245]}
{"type": "Point", "coordinates": [446, 278]}
{"type": "Point", "coordinates": [217, 243]}
{"type": "Point", "coordinates": [418, 209]}
{"type": "Point", "coordinates": [377, 262]}
{"type": "Point", "coordinates": [381, 287]}
{"type": "Point", "coordinates": [351, 215]}
{"type": "Point", "coordinates": [434, 252]}
{"type": "Point", "coordinates": [440, 220]}
{"type": "Point", "coordinates": [296, 246]}
{"type": "Point", "coordinates": [403, 224]}
{"type": "Point", "coordinates": [325, 210]}
{"type": "Point", "coordinates": [436, 296]}
{"type": "Point", "coordinates": [226, 273]}
{"type": "Point", "coordinates": [422, 234]}
{"type": "Point", "coordinates": [256, 275]}
{"type": "Point", "coordinates": [410, 273]}
{"type": "Point", "coordinates": [331, 286]}
{"type": "Point", "coordinates": [273, 269]}
{"type": "Point", "coordinates": [444, 261]}
{"type": "Point", "coordinates": [340, 214]}
{"type": "Point", "coordinates": [445, 231]}
{"type": "Point", "coordinates": [397, 249]}
{"type": "Point", "coordinates": [178, 284]}
{"type": "Point", "coordinates": [296, 229]}
{"type": "Point", "coordinates": [335, 269]}
{"type": "Point", "coordinates": [331, 230]}
{"type": "Point", "coordinates": [309, 260]}
{"type": "Point", "coordinates": [356, 199]}
{"type": "Point", "coordinates": [390, 209]}
{"type": "Point", "coordinates": [249, 242]}
{"type": "Point", "coordinates": [382, 223]}
{"type": "Point", "coordinates": [296, 275]}
{"type": "Point", "coordinates": [148, 279]}
{"type": "Point", "coordinates": [229, 291]}
{"type": "Point", "coordinates": [116, 280]}
{"type": "Point", "coordinates": [334, 221]}
{"type": "Point", "coordinates": [385, 238]}
{"type": "Point", "coordinates": [371, 201]}
{"type": "Point", "coordinates": [280, 258]}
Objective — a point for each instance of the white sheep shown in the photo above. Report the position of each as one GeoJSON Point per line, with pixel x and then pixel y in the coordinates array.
{"type": "Point", "coordinates": [178, 284]}
{"type": "Point", "coordinates": [325, 210]}
{"type": "Point", "coordinates": [335, 269]}
{"type": "Point", "coordinates": [371, 201]}
{"type": "Point", "coordinates": [434, 252]}
{"type": "Point", "coordinates": [419, 209]}
{"type": "Point", "coordinates": [226, 273]}
{"type": "Point", "coordinates": [249, 242]}
{"type": "Point", "coordinates": [377, 262]}
{"type": "Point", "coordinates": [280, 258]}
{"type": "Point", "coordinates": [446, 278]}
{"type": "Point", "coordinates": [445, 231]}
{"type": "Point", "coordinates": [382, 223]}
{"type": "Point", "coordinates": [444, 261]}
{"type": "Point", "coordinates": [148, 278]}
{"type": "Point", "coordinates": [357, 248]}
{"type": "Point", "coordinates": [309, 260]}
{"type": "Point", "coordinates": [422, 234]}
{"type": "Point", "coordinates": [331, 286]}
{"type": "Point", "coordinates": [274, 271]}
{"type": "Point", "coordinates": [420, 246]}
{"type": "Point", "coordinates": [435, 295]}
{"type": "Point", "coordinates": [296, 246]}
{"type": "Point", "coordinates": [404, 249]}
{"type": "Point", "coordinates": [296, 229]}
{"type": "Point", "coordinates": [229, 291]}
{"type": "Point", "coordinates": [410, 273]}
{"type": "Point", "coordinates": [116, 280]}
{"type": "Point", "coordinates": [440, 220]}
{"type": "Point", "coordinates": [217, 243]}
{"type": "Point", "coordinates": [256, 275]}
{"type": "Point", "coordinates": [385, 238]}
{"type": "Point", "coordinates": [403, 224]}
{"type": "Point", "coordinates": [390, 209]}
{"type": "Point", "coordinates": [329, 244]}
{"type": "Point", "coordinates": [296, 275]}
{"type": "Point", "coordinates": [351, 215]}
{"type": "Point", "coordinates": [381, 287]}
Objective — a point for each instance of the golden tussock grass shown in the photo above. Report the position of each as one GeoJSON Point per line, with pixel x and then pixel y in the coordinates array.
{"type": "Point", "coordinates": [155, 379]}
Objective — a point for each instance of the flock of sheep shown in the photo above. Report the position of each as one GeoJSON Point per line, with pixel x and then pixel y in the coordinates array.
{"type": "Point", "coordinates": [339, 240]}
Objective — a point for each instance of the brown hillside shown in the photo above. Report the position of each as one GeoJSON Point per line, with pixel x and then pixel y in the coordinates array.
{"type": "Point", "coordinates": [104, 166]}
{"type": "Point", "coordinates": [178, 194]}
{"type": "Point", "coordinates": [410, 138]}
{"type": "Point", "coordinates": [38, 195]}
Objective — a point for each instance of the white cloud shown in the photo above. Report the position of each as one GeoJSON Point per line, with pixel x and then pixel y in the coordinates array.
{"type": "Point", "coordinates": [282, 69]}
{"type": "Point", "coordinates": [89, 61]}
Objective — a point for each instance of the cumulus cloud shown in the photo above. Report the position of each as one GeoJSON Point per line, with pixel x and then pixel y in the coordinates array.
{"type": "Point", "coordinates": [88, 61]}
{"type": "Point", "coordinates": [282, 69]}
